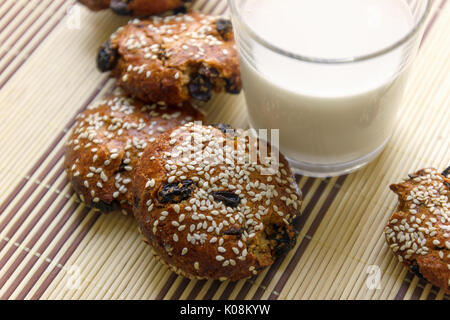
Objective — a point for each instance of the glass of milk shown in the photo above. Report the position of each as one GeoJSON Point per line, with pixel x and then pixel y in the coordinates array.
{"type": "Point", "coordinates": [328, 74]}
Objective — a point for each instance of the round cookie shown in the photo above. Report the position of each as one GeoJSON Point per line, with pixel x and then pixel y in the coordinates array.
{"type": "Point", "coordinates": [107, 141]}
{"type": "Point", "coordinates": [138, 8]}
{"type": "Point", "coordinates": [209, 212]}
{"type": "Point", "coordinates": [419, 231]}
{"type": "Point", "coordinates": [173, 59]}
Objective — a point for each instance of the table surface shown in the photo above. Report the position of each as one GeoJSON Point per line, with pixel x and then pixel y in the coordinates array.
{"type": "Point", "coordinates": [53, 247]}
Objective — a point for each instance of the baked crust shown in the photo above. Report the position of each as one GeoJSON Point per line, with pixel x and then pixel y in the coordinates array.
{"type": "Point", "coordinates": [173, 59]}
{"type": "Point", "coordinates": [137, 8]}
{"type": "Point", "coordinates": [107, 141]}
{"type": "Point", "coordinates": [419, 231]}
{"type": "Point", "coordinates": [210, 214]}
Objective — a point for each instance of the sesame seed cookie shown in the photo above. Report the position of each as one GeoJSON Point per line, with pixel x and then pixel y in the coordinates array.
{"type": "Point", "coordinates": [173, 59]}
{"type": "Point", "coordinates": [107, 141]}
{"type": "Point", "coordinates": [419, 232]}
{"type": "Point", "coordinates": [138, 8]}
{"type": "Point", "coordinates": [210, 207]}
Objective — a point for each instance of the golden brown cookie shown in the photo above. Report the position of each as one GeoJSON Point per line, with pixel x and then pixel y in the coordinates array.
{"type": "Point", "coordinates": [107, 141]}
{"type": "Point", "coordinates": [173, 59]}
{"type": "Point", "coordinates": [138, 8]}
{"type": "Point", "coordinates": [210, 212]}
{"type": "Point", "coordinates": [419, 232]}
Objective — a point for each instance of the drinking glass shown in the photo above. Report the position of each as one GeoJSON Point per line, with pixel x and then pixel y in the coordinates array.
{"type": "Point", "coordinates": [325, 129]}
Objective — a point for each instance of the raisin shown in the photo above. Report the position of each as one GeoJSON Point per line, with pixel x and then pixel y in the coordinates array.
{"type": "Point", "coordinates": [179, 10]}
{"type": "Point", "coordinates": [232, 87]}
{"type": "Point", "coordinates": [225, 128]}
{"type": "Point", "coordinates": [233, 232]}
{"type": "Point", "coordinates": [229, 198]}
{"type": "Point", "coordinates": [122, 167]}
{"type": "Point", "coordinates": [223, 26]}
{"type": "Point", "coordinates": [107, 57]}
{"type": "Point", "coordinates": [414, 267]}
{"type": "Point", "coordinates": [283, 240]}
{"type": "Point", "coordinates": [282, 245]}
{"type": "Point", "coordinates": [446, 173]}
{"type": "Point", "coordinates": [297, 223]}
{"type": "Point", "coordinates": [120, 7]}
{"type": "Point", "coordinates": [200, 88]}
{"type": "Point", "coordinates": [208, 72]}
{"type": "Point", "coordinates": [176, 192]}
{"type": "Point", "coordinates": [136, 201]}
{"type": "Point", "coordinates": [105, 207]}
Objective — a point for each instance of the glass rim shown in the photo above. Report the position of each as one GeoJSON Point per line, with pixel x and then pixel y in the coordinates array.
{"type": "Point", "coordinates": [411, 33]}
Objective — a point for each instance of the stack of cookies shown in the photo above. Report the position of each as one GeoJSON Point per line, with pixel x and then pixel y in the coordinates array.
{"type": "Point", "coordinates": [209, 206]}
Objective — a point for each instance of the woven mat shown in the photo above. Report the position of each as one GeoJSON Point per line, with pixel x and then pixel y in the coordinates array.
{"type": "Point", "coordinates": [53, 247]}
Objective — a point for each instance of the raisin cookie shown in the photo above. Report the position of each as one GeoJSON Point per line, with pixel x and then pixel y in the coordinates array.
{"type": "Point", "coordinates": [173, 59]}
{"type": "Point", "coordinates": [138, 8]}
{"type": "Point", "coordinates": [419, 232]}
{"type": "Point", "coordinates": [210, 208]}
{"type": "Point", "coordinates": [107, 141]}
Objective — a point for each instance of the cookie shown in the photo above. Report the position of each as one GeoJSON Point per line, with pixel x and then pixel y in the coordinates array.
{"type": "Point", "coordinates": [138, 8]}
{"type": "Point", "coordinates": [419, 231]}
{"type": "Point", "coordinates": [173, 59]}
{"type": "Point", "coordinates": [96, 5]}
{"type": "Point", "coordinates": [209, 212]}
{"type": "Point", "coordinates": [107, 141]}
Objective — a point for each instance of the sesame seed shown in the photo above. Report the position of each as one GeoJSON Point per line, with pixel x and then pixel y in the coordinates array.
{"type": "Point", "coordinates": [103, 176]}
{"type": "Point", "coordinates": [150, 183]}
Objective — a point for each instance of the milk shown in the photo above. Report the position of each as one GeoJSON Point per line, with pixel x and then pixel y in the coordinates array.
{"type": "Point", "coordinates": [328, 114]}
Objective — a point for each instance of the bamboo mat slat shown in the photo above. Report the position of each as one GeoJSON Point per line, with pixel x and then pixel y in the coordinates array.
{"type": "Point", "coordinates": [53, 247]}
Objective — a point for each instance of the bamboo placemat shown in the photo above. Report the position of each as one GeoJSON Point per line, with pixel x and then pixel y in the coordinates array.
{"type": "Point", "coordinates": [53, 247]}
